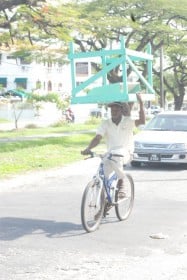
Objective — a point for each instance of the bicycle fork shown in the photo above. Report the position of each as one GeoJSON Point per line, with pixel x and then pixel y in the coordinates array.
{"type": "Point", "coordinates": [98, 190]}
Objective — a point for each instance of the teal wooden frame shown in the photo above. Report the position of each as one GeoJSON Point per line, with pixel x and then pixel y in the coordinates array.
{"type": "Point", "coordinates": [110, 59]}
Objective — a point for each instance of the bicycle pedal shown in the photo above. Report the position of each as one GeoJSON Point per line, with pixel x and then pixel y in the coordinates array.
{"type": "Point", "coordinates": [105, 214]}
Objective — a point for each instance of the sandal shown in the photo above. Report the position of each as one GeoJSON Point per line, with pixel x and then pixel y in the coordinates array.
{"type": "Point", "coordinates": [121, 192]}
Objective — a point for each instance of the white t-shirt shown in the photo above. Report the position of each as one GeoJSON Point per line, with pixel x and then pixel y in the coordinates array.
{"type": "Point", "coordinates": [118, 136]}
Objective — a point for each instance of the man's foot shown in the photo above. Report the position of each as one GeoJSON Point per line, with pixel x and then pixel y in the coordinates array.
{"type": "Point", "coordinates": [121, 188]}
{"type": "Point", "coordinates": [121, 192]}
{"type": "Point", "coordinates": [97, 216]}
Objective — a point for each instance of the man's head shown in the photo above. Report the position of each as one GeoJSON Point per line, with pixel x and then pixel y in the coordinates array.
{"type": "Point", "coordinates": [126, 109]}
{"type": "Point", "coordinates": [115, 103]}
{"type": "Point", "coordinates": [116, 111]}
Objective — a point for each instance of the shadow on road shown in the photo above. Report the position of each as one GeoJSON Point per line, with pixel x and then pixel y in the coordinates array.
{"type": "Point", "coordinates": [12, 228]}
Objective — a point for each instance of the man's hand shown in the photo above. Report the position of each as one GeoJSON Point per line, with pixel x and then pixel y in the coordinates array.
{"type": "Point", "coordinates": [85, 152]}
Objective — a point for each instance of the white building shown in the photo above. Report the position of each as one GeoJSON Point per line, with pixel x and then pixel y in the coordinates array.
{"type": "Point", "coordinates": [49, 77]}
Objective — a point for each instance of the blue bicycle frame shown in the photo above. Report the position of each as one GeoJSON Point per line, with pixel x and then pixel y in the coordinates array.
{"type": "Point", "coordinates": [107, 182]}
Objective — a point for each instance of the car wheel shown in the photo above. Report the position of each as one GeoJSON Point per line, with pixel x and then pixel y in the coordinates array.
{"type": "Point", "coordinates": [135, 163]}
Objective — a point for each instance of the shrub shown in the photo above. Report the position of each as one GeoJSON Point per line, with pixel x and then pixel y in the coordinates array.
{"type": "Point", "coordinates": [93, 120]}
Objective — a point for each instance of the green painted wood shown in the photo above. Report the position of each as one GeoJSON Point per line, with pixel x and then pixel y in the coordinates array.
{"type": "Point", "coordinates": [98, 75]}
{"type": "Point", "coordinates": [105, 94]}
{"type": "Point", "coordinates": [110, 59]}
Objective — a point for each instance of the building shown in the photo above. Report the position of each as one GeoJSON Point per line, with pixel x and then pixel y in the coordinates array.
{"type": "Point", "coordinates": [16, 73]}
{"type": "Point", "coordinates": [47, 77]}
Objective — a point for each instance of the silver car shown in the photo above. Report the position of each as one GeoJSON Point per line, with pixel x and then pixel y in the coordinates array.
{"type": "Point", "coordinates": [163, 140]}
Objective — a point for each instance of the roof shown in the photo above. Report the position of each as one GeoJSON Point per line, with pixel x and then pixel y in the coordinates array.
{"type": "Point", "coordinates": [173, 113]}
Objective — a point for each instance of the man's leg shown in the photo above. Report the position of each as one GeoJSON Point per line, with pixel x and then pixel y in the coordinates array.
{"type": "Point", "coordinates": [116, 165]}
{"type": "Point", "coordinates": [121, 187]}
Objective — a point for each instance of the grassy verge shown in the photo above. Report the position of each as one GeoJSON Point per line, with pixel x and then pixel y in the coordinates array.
{"type": "Point", "coordinates": [3, 120]}
{"type": "Point", "coordinates": [47, 130]}
{"type": "Point", "coordinates": [43, 153]}
{"type": "Point", "coordinates": [19, 157]}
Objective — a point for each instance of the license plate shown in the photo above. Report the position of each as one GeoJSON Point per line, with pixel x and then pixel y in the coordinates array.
{"type": "Point", "coordinates": [154, 157]}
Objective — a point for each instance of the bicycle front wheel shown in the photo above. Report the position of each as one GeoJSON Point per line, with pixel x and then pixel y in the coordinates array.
{"type": "Point", "coordinates": [92, 206]}
{"type": "Point", "coordinates": [124, 206]}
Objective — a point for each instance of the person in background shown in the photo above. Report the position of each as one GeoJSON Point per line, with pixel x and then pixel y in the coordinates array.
{"type": "Point", "coordinates": [118, 132]}
{"type": "Point", "coordinates": [70, 115]}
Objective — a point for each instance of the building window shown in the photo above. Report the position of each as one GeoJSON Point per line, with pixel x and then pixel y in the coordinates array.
{"type": "Point", "coordinates": [11, 57]}
{"type": "Point", "coordinates": [49, 86]}
{"type": "Point", "coordinates": [95, 67]}
{"type": "Point", "coordinates": [21, 82]}
{"type": "Point", "coordinates": [60, 86]}
{"type": "Point", "coordinates": [38, 84]}
{"type": "Point", "coordinates": [78, 83]}
{"type": "Point", "coordinates": [3, 82]}
{"type": "Point", "coordinates": [24, 68]}
{"type": "Point", "coordinates": [81, 68]}
{"type": "Point", "coordinates": [24, 61]}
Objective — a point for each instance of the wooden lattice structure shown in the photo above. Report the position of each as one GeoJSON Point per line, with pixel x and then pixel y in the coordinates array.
{"type": "Point", "coordinates": [109, 59]}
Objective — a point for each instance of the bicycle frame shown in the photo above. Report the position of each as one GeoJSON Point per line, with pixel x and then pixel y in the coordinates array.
{"type": "Point", "coordinates": [106, 182]}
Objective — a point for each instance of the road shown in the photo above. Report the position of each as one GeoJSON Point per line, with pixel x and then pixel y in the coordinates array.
{"type": "Point", "coordinates": [41, 236]}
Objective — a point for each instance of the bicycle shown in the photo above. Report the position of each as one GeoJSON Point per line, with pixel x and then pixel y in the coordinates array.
{"type": "Point", "coordinates": [101, 195]}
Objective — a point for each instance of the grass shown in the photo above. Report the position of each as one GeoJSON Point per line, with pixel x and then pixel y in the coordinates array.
{"type": "Point", "coordinates": [23, 156]}
{"type": "Point", "coordinates": [18, 157]}
{"type": "Point", "coordinates": [4, 121]}
{"type": "Point", "coordinates": [48, 130]}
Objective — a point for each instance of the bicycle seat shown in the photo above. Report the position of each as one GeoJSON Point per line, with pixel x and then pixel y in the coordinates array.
{"type": "Point", "coordinates": [116, 155]}
{"type": "Point", "coordinates": [117, 152]}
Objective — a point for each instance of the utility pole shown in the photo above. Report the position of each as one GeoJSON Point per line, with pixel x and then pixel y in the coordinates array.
{"type": "Point", "coordinates": [162, 101]}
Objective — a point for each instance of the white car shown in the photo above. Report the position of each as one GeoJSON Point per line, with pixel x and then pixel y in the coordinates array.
{"type": "Point", "coordinates": [155, 109]}
{"type": "Point", "coordinates": [162, 140]}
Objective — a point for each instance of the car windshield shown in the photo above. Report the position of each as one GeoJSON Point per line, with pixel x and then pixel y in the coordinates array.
{"type": "Point", "coordinates": [168, 123]}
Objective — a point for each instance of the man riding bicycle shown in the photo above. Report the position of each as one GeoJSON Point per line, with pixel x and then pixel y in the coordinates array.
{"type": "Point", "coordinates": [118, 131]}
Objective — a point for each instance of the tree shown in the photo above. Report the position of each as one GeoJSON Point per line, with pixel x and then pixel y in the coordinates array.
{"type": "Point", "coordinates": [36, 100]}
{"type": "Point", "coordinates": [161, 22]}
{"type": "Point", "coordinates": [43, 28]}
{"type": "Point", "coordinates": [10, 4]}
{"type": "Point", "coordinates": [61, 104]}
{"type": "Point", "coordinates": [37, 27]}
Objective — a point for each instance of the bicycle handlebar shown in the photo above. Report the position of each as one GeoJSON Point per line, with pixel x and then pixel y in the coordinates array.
{"type": "Point", "coordinates": [110, 155]}
{"type": "Point", "coordinates": [91, 155]}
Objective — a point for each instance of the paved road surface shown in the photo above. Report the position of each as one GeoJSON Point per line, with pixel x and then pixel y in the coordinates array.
{"type": "Point", "coordinates": [41, 236]}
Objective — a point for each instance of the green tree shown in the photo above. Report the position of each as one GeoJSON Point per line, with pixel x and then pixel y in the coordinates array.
{"type": "Point", "coordinates": [43, 28]}
{"type": "Point", "coordinates": [36, 101]}
{"type": "Point", "coordinates": [159, 22]}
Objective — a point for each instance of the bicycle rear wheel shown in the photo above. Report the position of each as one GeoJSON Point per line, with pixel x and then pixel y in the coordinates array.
{"type": "Point", "coordinates": [92, 206]}
{"type": "Point", "coordinates": [124, 206]}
